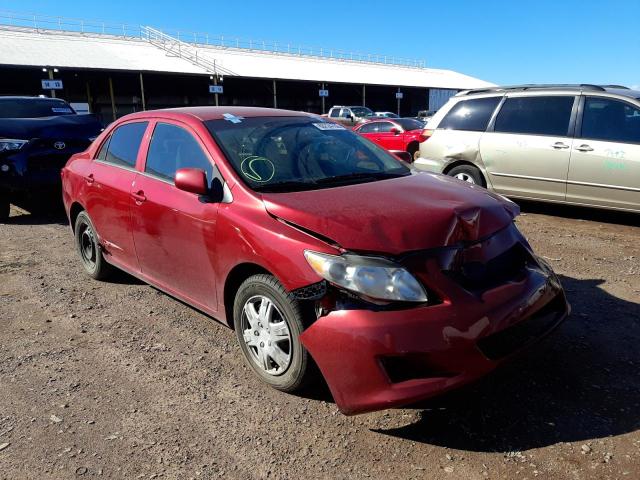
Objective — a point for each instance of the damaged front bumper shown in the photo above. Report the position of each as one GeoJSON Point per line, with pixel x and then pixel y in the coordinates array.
{"type": "Point", "coordinates": [374, 359]}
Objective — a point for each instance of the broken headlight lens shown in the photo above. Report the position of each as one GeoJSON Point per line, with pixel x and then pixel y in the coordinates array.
{"type": "Point", "coordinates": [370, 276]}
{"type": "Point", "coordinates": [11, 144]}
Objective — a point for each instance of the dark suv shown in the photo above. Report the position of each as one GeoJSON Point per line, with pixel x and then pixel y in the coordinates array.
{"type": "Point", "coordinates": [37, 137]}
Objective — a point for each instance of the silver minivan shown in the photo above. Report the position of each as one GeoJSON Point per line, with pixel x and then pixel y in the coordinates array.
{"type": "Point", "coordinates": [576, 144]}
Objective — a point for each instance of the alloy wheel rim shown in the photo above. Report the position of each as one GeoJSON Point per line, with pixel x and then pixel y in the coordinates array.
{"type": "Point", "coordinates": [266, 335]}
{"type": "Point", "coordinates": [88, 248]}
{"type": "Point", "coordinates": [465, 177]}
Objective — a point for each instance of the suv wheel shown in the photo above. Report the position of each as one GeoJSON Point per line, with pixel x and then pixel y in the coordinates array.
{"type": "Point", "coordinates": [268, 323]}
{"type": "Point", "coordinates": [4, 207]}
{"type": "Point", "coordinates": [467, 173]}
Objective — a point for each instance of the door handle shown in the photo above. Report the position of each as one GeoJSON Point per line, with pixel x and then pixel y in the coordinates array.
{"type": "Point", "coordinates": [89, 179]}
{"type": "Point", "coordinates": [139, 196]}
{"type": "Point", "coordinates": [584, 148]}
{"type": "Point", "coordinates": [559, 145]}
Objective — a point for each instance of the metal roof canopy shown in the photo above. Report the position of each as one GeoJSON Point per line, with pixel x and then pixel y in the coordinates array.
{"type": "Point", "coordinates": [22, 46]}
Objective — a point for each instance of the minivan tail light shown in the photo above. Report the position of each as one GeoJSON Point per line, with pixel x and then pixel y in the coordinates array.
{"type": "Point", "coordinates": [425, 135]}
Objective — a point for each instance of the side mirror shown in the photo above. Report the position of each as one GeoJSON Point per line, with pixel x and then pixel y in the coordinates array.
{"type": "Point", "coordinates": [394, 130]}
{"type": "Point", "coordinates": [192, 180]}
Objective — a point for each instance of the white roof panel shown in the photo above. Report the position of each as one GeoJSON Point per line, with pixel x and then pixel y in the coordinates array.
{"type": "Point", "coordinates": [76, 50]}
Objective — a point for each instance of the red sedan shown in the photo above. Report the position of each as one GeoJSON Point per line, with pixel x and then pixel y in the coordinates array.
{"type": "Point", "coordinates": [316, 247]}
{"type": "Point", "coordinates": [394, 134]}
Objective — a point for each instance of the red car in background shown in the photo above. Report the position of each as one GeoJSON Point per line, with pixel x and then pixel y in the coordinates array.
{"type": "Point", "coordinates": [395, 135]}
{"type": "Point", "coordinates": [316, 247]}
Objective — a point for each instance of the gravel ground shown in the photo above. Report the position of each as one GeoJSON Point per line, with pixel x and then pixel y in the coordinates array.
{"type": "Point", "coordinates": [121, 381]}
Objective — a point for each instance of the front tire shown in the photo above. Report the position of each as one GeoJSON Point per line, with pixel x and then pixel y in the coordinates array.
{"type": "Point", "coordinates": [89, 249]}
{"type": "Point", "coordinates": [467, 173]}
{"type": "Point", "coordinates": [4, 207]}
{"type": "Point", "coordinates": [268, 322]}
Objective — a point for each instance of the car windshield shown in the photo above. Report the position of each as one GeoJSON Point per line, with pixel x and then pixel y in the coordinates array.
{"type": "Point", "coordinates": [33, 108]}
{"type": "Point", "coordinates": [410, 123]}
{"type": "Point", "coordinates": [281, 154]}
{"type": "Point", "coordinates": [362, 111]}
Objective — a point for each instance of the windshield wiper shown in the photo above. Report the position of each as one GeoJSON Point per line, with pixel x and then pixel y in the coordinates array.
{"type": "Point", "coordinates": [289, 185]}
{"type": "Point", "coordinates": [350, 177]}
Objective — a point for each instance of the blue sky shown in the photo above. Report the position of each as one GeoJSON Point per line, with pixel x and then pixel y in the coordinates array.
{"type": "Point", "coordinates": [500, 41]}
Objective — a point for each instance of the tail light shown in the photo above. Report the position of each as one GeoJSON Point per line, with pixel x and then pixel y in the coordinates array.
{"type": "Point", "coordinates": [425, 135]}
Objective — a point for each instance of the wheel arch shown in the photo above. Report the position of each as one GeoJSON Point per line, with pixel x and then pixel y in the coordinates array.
{"type": "Point", "coordinates": [236, 276]}
{"type": "Point", "coordinates": [459, 163]}
{"type": "Point", "coordinates": [74, 211]}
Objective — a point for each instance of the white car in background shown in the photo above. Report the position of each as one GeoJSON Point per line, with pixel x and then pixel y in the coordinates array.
{"type": "Point", "coordinates": [574, 144]}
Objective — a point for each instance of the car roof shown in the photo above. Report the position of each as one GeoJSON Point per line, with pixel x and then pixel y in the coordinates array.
{"type": "Point", "coordinates": [218, 113]}
{"type": "Point", "coordinates": [583, 87]}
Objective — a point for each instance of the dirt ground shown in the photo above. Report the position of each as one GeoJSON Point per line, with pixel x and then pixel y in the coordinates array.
{"type": "Point", "coordinates": [121, 381]}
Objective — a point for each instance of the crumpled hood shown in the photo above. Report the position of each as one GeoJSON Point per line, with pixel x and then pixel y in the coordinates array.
{"type": "Point", "coordinates": [394, 216]}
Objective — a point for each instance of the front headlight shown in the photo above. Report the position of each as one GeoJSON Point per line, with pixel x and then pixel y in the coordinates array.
{"type": "Point", "coordinates": [370, 276]}
{"type": "Point", "coordinates": [11, 144]}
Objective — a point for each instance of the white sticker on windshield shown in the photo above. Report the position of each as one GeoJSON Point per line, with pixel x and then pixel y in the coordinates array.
{"type": "Point", "coordinates": [328, 126]}
{"type": "Point", "coordinates": [60, 110]}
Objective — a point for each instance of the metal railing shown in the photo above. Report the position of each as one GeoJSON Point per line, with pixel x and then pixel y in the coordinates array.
{"type": "Point", "coordinates": [184, 50]}
{"type": "Point", "coordinates": [37, 22]}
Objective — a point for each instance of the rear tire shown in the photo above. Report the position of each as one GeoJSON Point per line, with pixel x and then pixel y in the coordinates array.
{"type": "Point", "coordinates": [89, 249]}
{"type": "Point", "coordinates": [414, 151]}
{"type": "Point", "coordinates": [268, 322]}
{"type": "Point", "coordinates": [468, 173]}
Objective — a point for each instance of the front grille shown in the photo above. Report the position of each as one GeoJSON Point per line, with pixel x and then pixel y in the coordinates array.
{"type": "Point", "coordinates": [479, 276]}
{"type": "Point", "coordinates": [505, 342]}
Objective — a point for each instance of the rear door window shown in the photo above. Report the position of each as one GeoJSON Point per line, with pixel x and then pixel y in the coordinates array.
{"type": "Point", "coordinates": [472, 115]}
{"type": "Point", "coordinates": [610, 121]}
{"type": "Point", "coordinates": [541, 115]}
{"type": "Point", "coordinates": [125, 143]}
{"type": "Point", "coordinates": [173, 148]}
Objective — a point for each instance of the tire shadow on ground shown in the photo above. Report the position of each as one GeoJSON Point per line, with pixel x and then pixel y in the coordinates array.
{"type": "Point", "coordinates": [578, 384]}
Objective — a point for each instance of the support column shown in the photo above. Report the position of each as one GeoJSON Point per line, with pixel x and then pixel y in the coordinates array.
{"type": "Point", "coordinates": [144, 103]}
{"type": "Point", "coordinates": [215, 82]}
{"type": "Point", "coordinates": [53, 92]}
{"type": "Point", "coordinates": [364, 95]}
{"type": "Point", "coordinates": [275, 96]}
{"type": "Point", "coordinates": [89, 99]}
{"type": "Point", "coordinates": [113, 100]}
{"type": "Point", "coordinates": [398, 112]}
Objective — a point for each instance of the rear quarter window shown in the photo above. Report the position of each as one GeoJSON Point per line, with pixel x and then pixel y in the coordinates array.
{"type": "Point", "coordinates": [124, 144]}
{"type": "Point", "coordinates": [472, 115]}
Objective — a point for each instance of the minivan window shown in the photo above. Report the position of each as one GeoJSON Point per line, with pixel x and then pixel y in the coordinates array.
{"type": "Point", "coordinates": [173, 148]}
{"type": "Point", "coordinates": [541, 115]}
{"type": "Point", "coordinates": [610, 120]}
{"type": "Point", "coordinates": [125, 143]}
{"type": "Point", "coordinates": [473, 115]}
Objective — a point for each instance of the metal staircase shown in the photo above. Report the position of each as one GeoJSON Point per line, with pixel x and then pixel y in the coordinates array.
{"type": "Point", "coordinates": [184, 50]}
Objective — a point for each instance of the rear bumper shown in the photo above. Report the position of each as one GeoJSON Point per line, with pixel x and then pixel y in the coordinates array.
{"type": "Point", "coordinates": [377, 360]}
{"type": "Point", "coordinates": [430, 164]}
